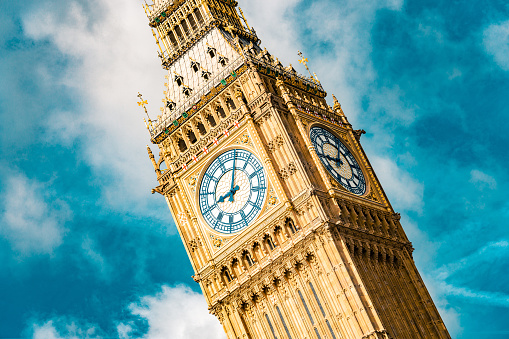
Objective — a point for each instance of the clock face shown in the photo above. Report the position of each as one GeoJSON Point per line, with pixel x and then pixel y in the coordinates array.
{"type": "Point", "coordinates": [232, 191]}
{"type": "Point", "coordinates": [338, 160]}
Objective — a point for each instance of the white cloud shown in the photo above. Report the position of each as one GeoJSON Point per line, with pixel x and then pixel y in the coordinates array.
{"type": "Point", "coordinates": [496, 43]}
{"type": "Point", "coordinates": [177, 313]}
{"type": "Point", "coordinates": [482, 179]}
{"type": "Point", "coordinates": [29, 222]}
{"type": "Point", "coordinates": [403, 190]}
{"type": "Point", "coordinates": [64, 329]}
{"type": "Point", "coordinates": [113, 57]}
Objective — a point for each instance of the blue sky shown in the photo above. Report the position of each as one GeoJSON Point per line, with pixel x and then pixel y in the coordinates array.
{"type": "Point", "coordinates": [87, 251]}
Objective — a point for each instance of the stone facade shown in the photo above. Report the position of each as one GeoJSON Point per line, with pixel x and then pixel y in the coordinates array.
{"type": "Point", "coordinates": [318, 261]}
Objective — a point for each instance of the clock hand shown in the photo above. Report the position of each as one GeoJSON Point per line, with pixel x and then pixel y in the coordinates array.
{"type": "Point", "coordinates": [337, 160]}
{"type": "Point", "coordinates": [222, 198]}
{"type": "Point", "coordinates": [232, 190]}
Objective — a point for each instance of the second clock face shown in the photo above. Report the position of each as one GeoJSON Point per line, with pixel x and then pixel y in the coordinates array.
{"type": "Point", "coordinates": [232, 191]}
{"type": "Point", "coordinates": [338, 160]}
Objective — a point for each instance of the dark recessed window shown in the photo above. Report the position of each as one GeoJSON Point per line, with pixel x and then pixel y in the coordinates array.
{"type": "Point", "coordinates": [205, 75]}
{"type": "Point", "coordinates": [187, 91]}
{"type": "Point", "coordinates": [211, 51]}
{"type": "Point", "coordinates": [195, 66]}
{"type": "Point", "coordinates": [171, 105]}
{"type": "Point", "coordinates": [179, 80]}
{"type": "Point", "coordinates": [223, 61]}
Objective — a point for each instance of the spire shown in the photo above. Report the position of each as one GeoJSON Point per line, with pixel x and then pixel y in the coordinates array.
{"type": "Point", "coordinates": [337, 105]}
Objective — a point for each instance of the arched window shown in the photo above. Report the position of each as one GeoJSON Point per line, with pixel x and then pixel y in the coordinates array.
{"type": "Point", "coordinates": [192, 137]}
{"type": "Point", "coordinates": [248, 259]}
{"type": "Point", "coordinates": [201, 128]}
{"type": "Point", "coordinates": [291, 226]}
{"type": "Point", "coordinates": [182, 145]}
{"type": "Point", "coordinates": [231, 104]}
{"type": "Point", "coordinates": [179, 80]}
{"type": "Point", "coordinates": [211, 51]}
{"type": "Point", "coordinates": [227, 275]}
{"type": "Point", "coordinates": [221, 112]}
{"type": "Point", "coordinates": [195, 66]}
{"type": "Point", "coordinates": [270, 243]}
{"type": "Point", "coordinates": [211, 120]}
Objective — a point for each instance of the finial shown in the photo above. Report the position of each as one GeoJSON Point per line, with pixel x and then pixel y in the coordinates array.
{"type": "Point", "coordinates": [157, 42]}
{"type": "Point", "coordinates": [143, 104]}
{"type": "Point", "coordinates": [150, 154]}
{"type": "Point", "coordinates": [337, 105]}
{"type": "Point", "coordinates": [243, 17]}
{"type": "Point", "coordinates": [305, 61]}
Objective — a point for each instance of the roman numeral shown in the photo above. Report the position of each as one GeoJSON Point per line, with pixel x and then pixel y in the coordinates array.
{"type": "Point", "coordinates": [257, 189]}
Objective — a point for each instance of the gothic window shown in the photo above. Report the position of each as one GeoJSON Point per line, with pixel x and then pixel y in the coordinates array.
{"type": "Point", "coordinates": [173, 40]}
{"type": "Point", "coordinates": [291, 226]}
{"type": "Point", "coordinates": [182, 145]}
{"type": "Point", "coordinates": [192, 22]}
{"type": "Point", "coordinates": [248, 258]}
{"type": "Point", "coordinates": [195, 66]}
{"type": "Point", "coordinates": [192, 137]}
{"type": "Point", "coordinates": [223, 61]}
{"type": "Point", "coordinates": [205, 75]}
{"type": "Point", "coordinates": [179, 80]}
{"type": "Point", "coordinates": [198, 15]}
{"type": "Point", "coordinates": [201, 128]}
{"type": "Point", "coordinates": [211, 120]}
{"type": "Point", "coordinates": [183, 23]}
{"type": "Point", "coordinates": [187, 91]}
{"type": "Point", "coordinates": [171, 105]}
{"type": "Point", "coordinates": [231, 104]}
{"type": "Point", "coordinates": [309, 313]}
{"type": "Point", "coordinates": [221, 112]}
{"type": "Point", "coordinates": [227, 275]}
{"type": "Point", "coordinates": [211, 51]}
{"type": "Point", "coordinates": [283, 321]}
{"type": "Point", "coordinates": [270, 243]}
{"type": "Point", "coordinates": [322, 310]}
{"type": "Point", "coordinates": [270, 325]}
{"type": "Point", "coordinates": [180, 36]}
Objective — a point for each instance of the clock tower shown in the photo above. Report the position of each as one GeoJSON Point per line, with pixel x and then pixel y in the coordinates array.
{"type": "Point", "coordinates": [287, 227]}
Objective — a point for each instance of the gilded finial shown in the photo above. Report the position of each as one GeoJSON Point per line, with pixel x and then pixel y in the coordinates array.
{"type": "Point", "coordinates": [244, 18]}
{"type": "Point", "coordinates": [305, 61]}
{"type": "Point", "coordinates": [150, 154]}
{"type": "Point", "coordinates": [337, 105]}
{"type": "Point", "coordinates": [143, 104]}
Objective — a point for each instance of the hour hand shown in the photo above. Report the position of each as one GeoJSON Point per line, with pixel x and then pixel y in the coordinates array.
{"type": "Point", "coordinates": [336, 160]}
{"type": "Point", "coordinates": [229, 194]}
{"type": "Point", "coordinates": [232, 192]}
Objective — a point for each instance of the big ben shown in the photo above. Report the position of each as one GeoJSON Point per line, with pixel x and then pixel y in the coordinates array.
{"type": "Point", "coordinates": [287, 227]}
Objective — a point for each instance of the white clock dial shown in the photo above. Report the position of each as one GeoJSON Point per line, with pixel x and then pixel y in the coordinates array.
{"type": "Point", "coordinates": [232, 191]}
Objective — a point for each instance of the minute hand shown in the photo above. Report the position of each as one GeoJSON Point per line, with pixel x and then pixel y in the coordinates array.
{"type": "Point", "coordinates": [233, 189]}
{"type": "Point", "coordinates": [337, 160]}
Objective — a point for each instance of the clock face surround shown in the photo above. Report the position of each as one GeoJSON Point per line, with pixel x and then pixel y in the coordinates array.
{"type": "Point", "coordinates": [338, 160]}
{"type": "Point", "coordinates": [232, 191]}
